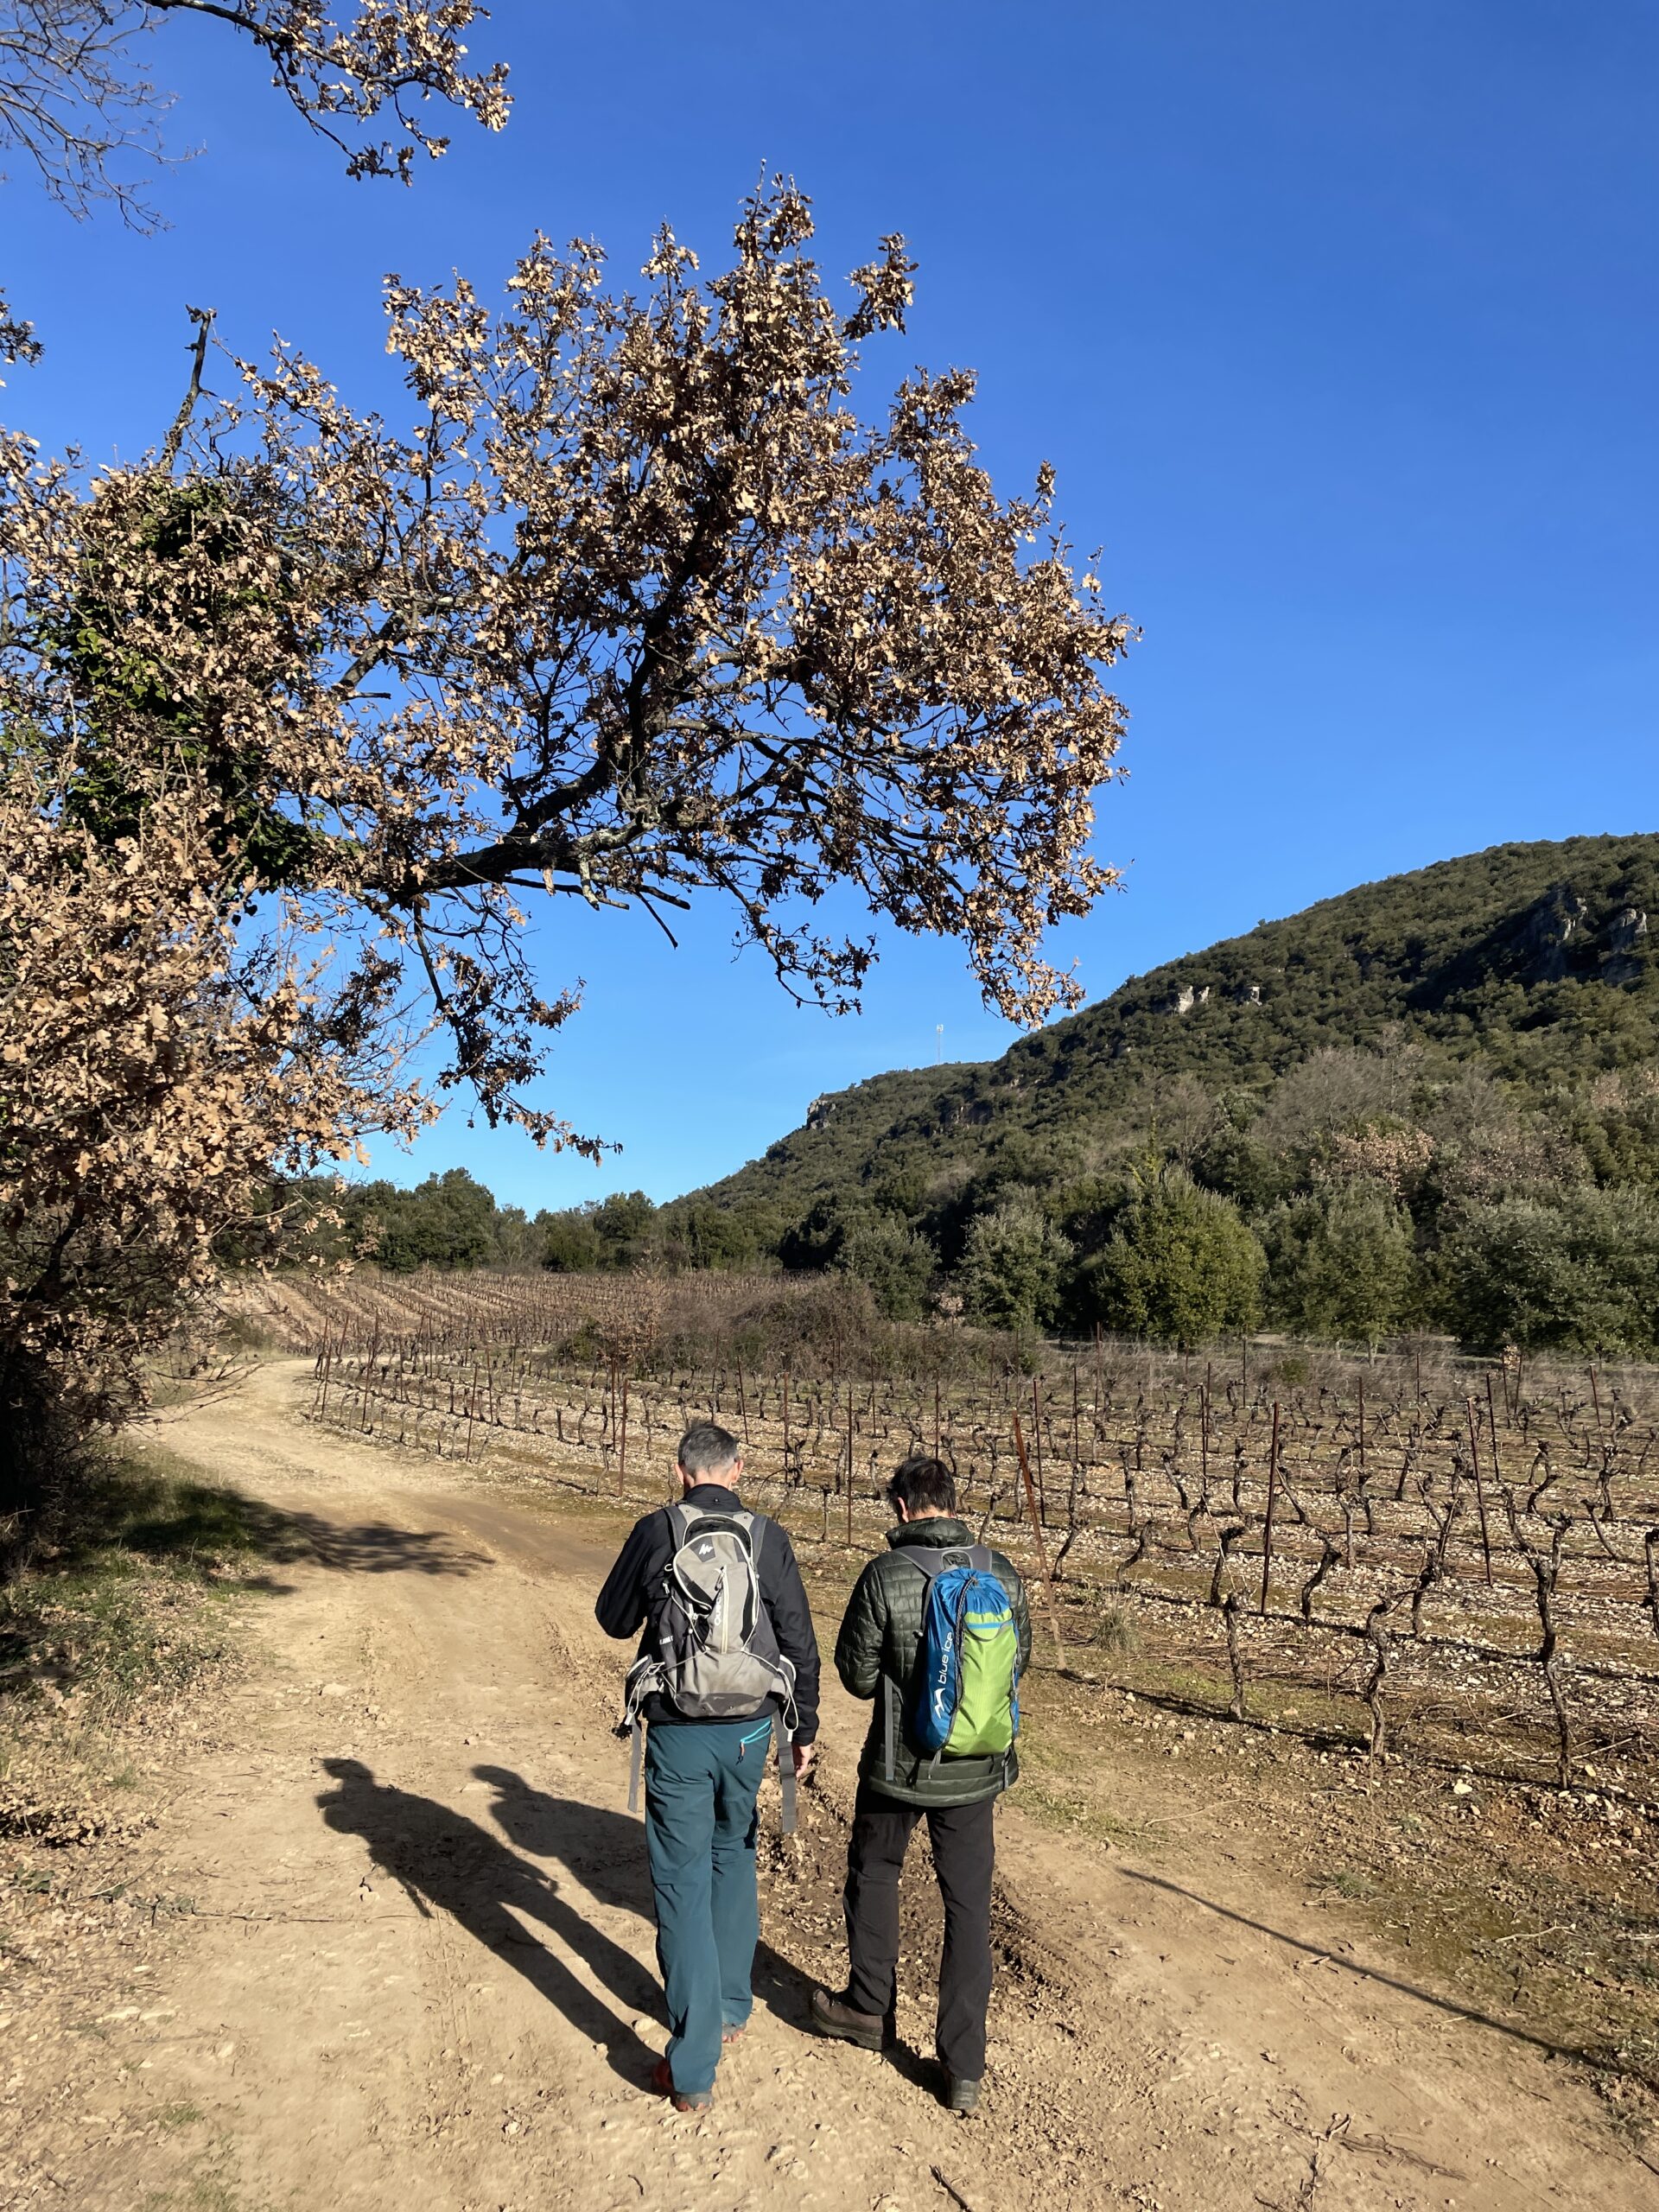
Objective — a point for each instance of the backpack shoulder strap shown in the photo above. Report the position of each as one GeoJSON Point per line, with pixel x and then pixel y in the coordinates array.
{"type": "Point", "coordinates": [737, 1520]}
{"type": "Point", "coordinates": [979, 1558]}
{"type": "Point", "coordinates": [923, 1558]}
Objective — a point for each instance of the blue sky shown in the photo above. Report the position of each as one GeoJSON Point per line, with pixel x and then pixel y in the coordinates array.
{"type": "Point", "coordinates": [1337, 321]}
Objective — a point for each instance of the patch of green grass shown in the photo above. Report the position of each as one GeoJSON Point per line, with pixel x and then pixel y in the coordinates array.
{"type": "Point", "coordinates": [1075, 1815]}
{"type": "Point", "coordinates": [1159, 1679]}
{"type": "Point", "coordinates": [1346, 1883]}
{"type": "Point", "coordinates": [180, 1907]}
{"type": "Point", "coordinates": [1054, 1792]}
{"type": "Point", "coordinates": [132, 1601]}
{"type": "Point", "coordinates": [203, 2193]}
{"type": "Point", "coordinates": [184, 2115]}
{"type": "Point", "coordinates": [108, 1629]}
{"type": "Point", "coordinates": [1115, 1631]}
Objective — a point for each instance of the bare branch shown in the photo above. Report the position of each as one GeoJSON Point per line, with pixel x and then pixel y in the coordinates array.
{"type": "Point", "coordinates": [203, 319]}
{"type": "Point", "coordinates": [76, 105]}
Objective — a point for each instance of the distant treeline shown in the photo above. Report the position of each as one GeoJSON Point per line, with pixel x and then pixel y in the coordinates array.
{"type": "Point", "coordinates": [453, 1221]}
{"type": "Point", "coordinates": [1364, 1194]}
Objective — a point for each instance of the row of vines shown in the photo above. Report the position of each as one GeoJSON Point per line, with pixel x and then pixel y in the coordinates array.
{"type": "Point", "coordinates": [1466, 1560]}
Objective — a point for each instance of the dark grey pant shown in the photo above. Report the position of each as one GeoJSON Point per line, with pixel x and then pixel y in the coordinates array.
{"type": "Point", "coordinates": [964, 1852]}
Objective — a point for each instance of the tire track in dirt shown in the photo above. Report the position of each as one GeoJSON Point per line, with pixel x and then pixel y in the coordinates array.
{"type": "Point", "coordinates": [421, 1965]}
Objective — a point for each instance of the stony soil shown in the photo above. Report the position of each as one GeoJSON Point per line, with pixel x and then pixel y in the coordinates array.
{"type": "Point", "coordinates": [397, 1949]}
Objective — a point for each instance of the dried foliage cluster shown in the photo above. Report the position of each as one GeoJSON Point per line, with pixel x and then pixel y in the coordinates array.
{"type": "Point", "coordinates": [301, 713]}
{"type": "Point", "coordinates": [156, 1063]}
{"type": "Point", "coordinates": [17, 338]}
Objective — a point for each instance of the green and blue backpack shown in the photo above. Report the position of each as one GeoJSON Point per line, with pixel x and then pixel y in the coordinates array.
{"type": "Point", "coordinates": [966, 1700]}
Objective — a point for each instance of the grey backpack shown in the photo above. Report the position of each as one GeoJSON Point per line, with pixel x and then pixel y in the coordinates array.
{"type": "Point", "coordinates": [711, 1649]}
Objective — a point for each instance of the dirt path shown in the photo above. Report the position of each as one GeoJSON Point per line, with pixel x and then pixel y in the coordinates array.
{"type": "Point", "coordinates": [419, 1968]}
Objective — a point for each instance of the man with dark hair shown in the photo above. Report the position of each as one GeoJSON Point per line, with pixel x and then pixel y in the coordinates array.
{"type": "Point", "coordinates": [728, 1660]}
{"type": "Point", "coordinates": [879, 1656]}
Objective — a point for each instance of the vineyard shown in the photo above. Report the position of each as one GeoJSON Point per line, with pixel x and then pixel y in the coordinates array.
{"type": "Point", "coordinates": [1429, 1558]}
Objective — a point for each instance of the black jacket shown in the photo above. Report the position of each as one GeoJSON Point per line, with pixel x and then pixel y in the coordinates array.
{"type": "Point", "coordinates": [880, 1642]}
{"type": "Point", "coordinates": [632, 1586]}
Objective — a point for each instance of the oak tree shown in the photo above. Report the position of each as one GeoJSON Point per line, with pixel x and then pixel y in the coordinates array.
{"type": "Point", "coordinates": [639, 609]}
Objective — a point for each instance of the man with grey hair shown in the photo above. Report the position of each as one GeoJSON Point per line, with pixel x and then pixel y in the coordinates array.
{"type": "Point", "coordinates": [727, 1659]}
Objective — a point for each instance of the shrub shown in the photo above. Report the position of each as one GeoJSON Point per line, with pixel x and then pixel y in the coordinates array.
{"type": "Point", "coordinates": [1014, 1266]}
{"type": "Point", "coordinates": [1573, 1274]}
{"type": "Point", "coordinates": [898, 1265]}
{"type": "Point", "coordinates": [1342, 1265]}
{"type": "Point", "coordinates": [1181, 1267]}
{"type": "Point", "coordinates": [571, 1245]}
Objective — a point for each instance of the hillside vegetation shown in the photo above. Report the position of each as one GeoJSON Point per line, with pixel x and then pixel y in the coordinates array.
{"type": "Point", "coordinates": [1430, 1103]}
{"type": "Point", "coordinates": [1515, 958]}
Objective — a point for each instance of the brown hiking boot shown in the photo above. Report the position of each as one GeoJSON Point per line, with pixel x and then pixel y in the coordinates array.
{"type": "Point", "coordinates": [833, 2016]}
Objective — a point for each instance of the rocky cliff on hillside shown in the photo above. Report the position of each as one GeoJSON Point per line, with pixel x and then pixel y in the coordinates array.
{"type": "Point", "coordinates": [1536, 958]}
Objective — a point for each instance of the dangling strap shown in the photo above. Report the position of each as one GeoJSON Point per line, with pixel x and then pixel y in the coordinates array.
{"type": "Point", "coordinates": [637, 1763]}
{"type": "Point", "coordinates": [785, 1771]}
{"type": "Point", "coordinates": [890, 1723]}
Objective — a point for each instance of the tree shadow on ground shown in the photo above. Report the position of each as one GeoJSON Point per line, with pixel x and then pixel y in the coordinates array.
{"type": "Point", "coordinates": [367, 1548]}
{"type": "Point", "coordinates": [101, 1605]}
{"type": "Point", "coordinates": [208, 1526]}
{"type": "Point", "coordinates": [448, 1864]}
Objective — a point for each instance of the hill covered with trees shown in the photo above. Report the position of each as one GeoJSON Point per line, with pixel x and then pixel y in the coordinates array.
{"type": "Point", "coordinates": [1432, 1101]}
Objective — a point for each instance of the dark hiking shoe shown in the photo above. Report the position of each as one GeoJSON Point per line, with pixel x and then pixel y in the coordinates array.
{"type": "Point", "coordinates": [960, 2094]}
{"type": "Point", "coordinates": [662, 2082]}
{"type": "Point", "coordinates": [831, 2015]}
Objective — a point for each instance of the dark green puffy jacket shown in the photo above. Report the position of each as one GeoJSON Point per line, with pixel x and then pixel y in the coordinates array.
{"type": "Point", "coordinates": [881, 1641]}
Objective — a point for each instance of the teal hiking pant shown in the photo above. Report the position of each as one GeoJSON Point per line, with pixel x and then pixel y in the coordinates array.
{"type": "Point", "coordinates": [700, 1784]}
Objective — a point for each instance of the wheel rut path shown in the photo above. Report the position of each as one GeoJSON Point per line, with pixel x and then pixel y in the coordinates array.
{"type": "Point", "coordinates": [419, 1974]}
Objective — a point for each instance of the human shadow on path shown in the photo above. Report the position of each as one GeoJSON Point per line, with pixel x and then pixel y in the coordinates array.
{"type": "Point", "coordinates": [605, 1851]}
{"type": "Point", "coordinates": [448, 1863]}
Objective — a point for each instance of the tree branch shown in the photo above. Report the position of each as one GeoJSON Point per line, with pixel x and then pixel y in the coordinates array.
{"type": "Point", "coordinates": [203, 319]}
